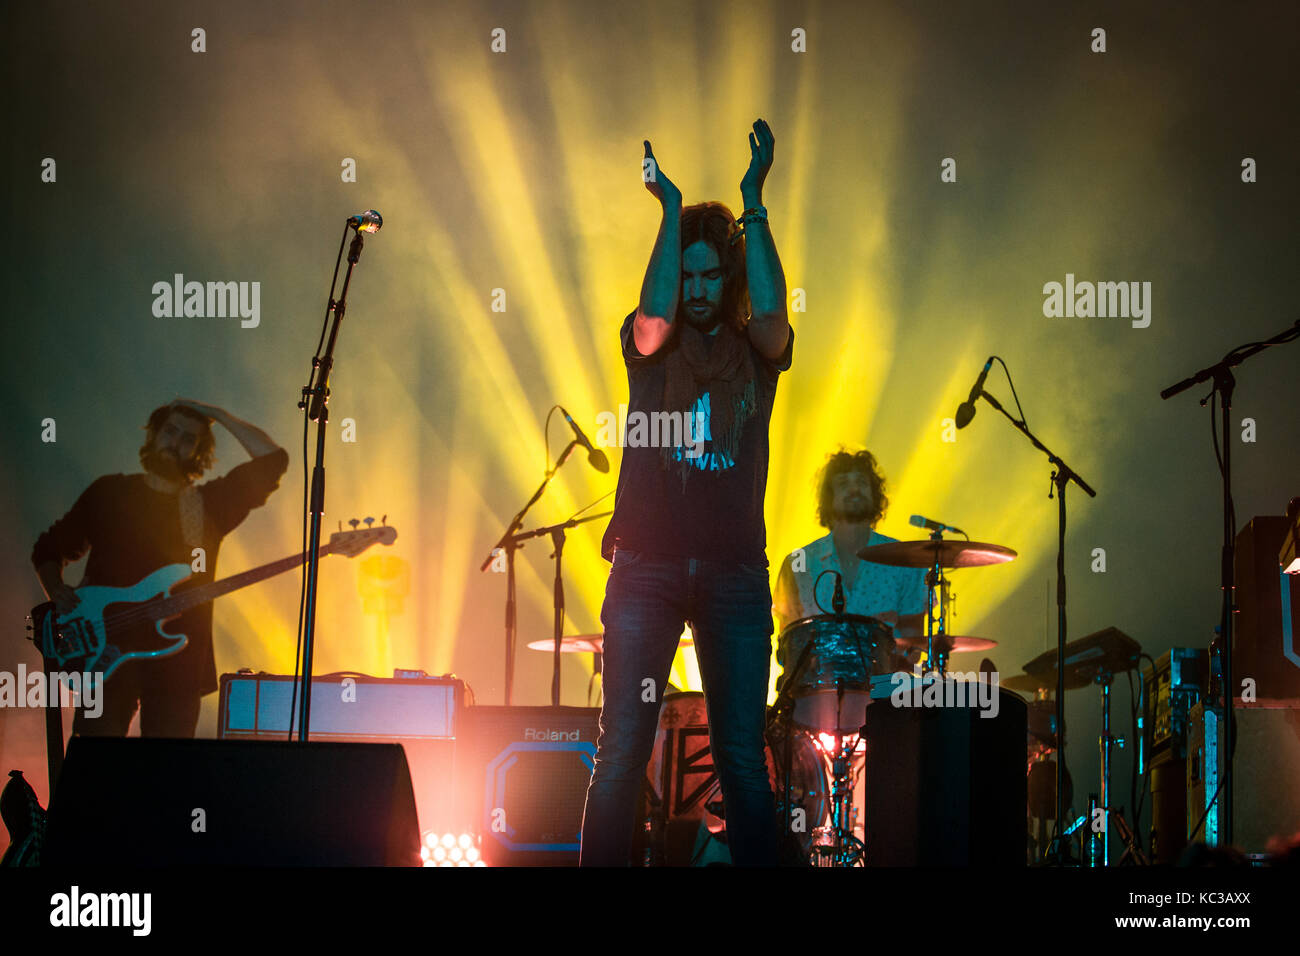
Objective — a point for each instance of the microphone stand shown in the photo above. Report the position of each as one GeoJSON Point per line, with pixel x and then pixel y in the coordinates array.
{"type": "Point", "coordinates": [556, 531]}
{"type": "Point", "coordinates": [317, 389]}
{"type": "Point", "coordinates": [509, 542]}
{"type": "Point", "coordinates": [1062, 475]}
{"type": "Point", "coordinates": [1224, 383]}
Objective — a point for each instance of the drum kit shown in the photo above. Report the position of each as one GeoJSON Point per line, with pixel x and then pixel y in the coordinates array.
{"type": "Point", "coordinates": [835, 665]}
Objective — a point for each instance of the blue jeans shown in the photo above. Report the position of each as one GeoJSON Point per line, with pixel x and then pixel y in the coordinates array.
{"type": "Point", "coordinates": [648, 600]}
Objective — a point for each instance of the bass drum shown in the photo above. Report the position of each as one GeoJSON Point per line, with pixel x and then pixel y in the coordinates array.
{"type": "Point", "coordinates": [683, 780]}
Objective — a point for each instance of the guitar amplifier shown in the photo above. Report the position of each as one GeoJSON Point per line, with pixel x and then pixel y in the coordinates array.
{"type": "Point", "coordinates": [529, 768]}
{"type": "Point", "coordinates": [343, 707]}
{"type": "Point", "coordinates": [420, 713]}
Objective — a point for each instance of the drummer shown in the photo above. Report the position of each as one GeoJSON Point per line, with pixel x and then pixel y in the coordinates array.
{"type": "Point", "coordinates": [850, 501]}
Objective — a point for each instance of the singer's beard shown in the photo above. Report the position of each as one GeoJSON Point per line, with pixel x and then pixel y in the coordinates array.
{"type": "Point", "coordinates": [704, 323]}
{"type": "Point", "coordinates": [166, 466]}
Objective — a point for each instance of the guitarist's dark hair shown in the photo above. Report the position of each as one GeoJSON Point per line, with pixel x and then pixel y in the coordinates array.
{"type": "Point", "coordinates": [204, 451]}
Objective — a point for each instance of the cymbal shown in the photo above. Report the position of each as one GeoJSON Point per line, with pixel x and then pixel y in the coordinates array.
{"type": "Point", "coordinates": [951, 554]}
{"type": "Point", "coordinates": [955, 644]}
{"type": "Point", "coordinates": [585, 643]}
{"type": "Point", "coordinates": [571, 644]}
{"type": "Point", "coordinates": [1027, 683]}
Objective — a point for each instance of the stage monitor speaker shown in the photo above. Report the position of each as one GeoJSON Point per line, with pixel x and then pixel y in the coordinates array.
{"type": "Point", "coordinates": [420, 713]}
{"type": "Point", "coordinates": [530, 767]}
{"type": "Point", "coordinates": [159, 802]}
{"type": "Point", "coordinates": [945, 786]}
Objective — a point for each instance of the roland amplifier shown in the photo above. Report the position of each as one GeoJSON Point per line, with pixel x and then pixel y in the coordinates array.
{"type": "Point", "coordinates": [527, 770]}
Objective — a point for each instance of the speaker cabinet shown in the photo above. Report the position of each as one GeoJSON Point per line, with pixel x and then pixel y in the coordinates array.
{"type": "Point", "coordinates": [945, 786]}
{"type": "Point", "coordinates": [1265, 768]}
{"type": "Point", "coordinates": [160, 802]}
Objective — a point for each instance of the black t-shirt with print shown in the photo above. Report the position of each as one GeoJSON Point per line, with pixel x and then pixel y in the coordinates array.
{"type": "Point", "coordinates": [719, 514]}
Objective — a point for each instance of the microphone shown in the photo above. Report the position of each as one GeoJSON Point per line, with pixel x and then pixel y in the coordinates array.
{"type": "Point", "coordinates": [837, 599]}
{"type": "Point", "coordinates": [919, 521]}
{"type": "Point", "coordinates": [966, 410]}
{"type": "Point", "coordinates": [594, 456]}
{"type": "Point", "coordinates": [368, 221]}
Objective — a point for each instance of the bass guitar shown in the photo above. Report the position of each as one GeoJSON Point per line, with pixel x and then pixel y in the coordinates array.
{"type": "Point", "coordinates": [112, 625]}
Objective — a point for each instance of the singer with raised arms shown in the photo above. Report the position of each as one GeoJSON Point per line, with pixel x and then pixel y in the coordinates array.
{"type": "Point", "coordinates": [708, 340]}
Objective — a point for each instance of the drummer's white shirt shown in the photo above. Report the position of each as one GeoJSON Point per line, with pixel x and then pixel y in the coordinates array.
{"type": "Point", "coordinates": [878, 587]}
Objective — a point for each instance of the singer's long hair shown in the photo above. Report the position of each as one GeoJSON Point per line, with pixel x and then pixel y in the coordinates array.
{"type": "Point", "coordinates": [713, 224]}
{"type": "Point", "coordinates": [844, 462]}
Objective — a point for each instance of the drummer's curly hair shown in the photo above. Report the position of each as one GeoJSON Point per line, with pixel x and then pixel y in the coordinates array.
{"type": "Point", "coordinates": [843, 462]}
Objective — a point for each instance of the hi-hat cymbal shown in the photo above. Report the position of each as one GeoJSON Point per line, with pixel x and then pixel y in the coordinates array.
{"type": "Point", "coordinates": [585, 643]}
{"type": "Point", "coordinates": [950, 554]}
{"type": "Point", "coordinates": [949, 643]}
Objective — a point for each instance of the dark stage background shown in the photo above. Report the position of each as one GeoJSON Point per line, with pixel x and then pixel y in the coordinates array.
{"type": "Point", "coordinates": [520, 171]}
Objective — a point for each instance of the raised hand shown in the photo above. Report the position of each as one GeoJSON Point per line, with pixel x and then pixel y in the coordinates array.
{"type": "Point", "coordinates": [761, 142]}
{"type": "Point", "coordinates": [660, 186]}
{"type": "Point", "coordinates": [207, 411]}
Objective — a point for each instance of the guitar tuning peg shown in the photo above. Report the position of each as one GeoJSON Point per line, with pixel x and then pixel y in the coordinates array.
{"type": "Point", "coordinates": [340, 527]}
{"type": "Point", "coordinates": [354, 522]}
{"type": "Point", "coordinates": [369, 522]}
{"type": "Point", "coordinates": [384, 520]}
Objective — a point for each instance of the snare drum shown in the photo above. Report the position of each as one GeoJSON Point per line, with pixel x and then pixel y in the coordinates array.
{"type": "Point", "coordinates": [833, 690]}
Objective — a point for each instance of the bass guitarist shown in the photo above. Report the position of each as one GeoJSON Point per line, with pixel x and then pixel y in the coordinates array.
{"type": "Point", "coordinates": [134, 524]}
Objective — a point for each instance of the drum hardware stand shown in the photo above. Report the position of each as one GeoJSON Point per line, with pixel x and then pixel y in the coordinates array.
{"type": "Point", "coordinates": [654, 827]}
{"type": "Point", "coordinates": [836, 845]}
{"type": "Point", "coordinates": [781, 714]}
{"type": "Point", "coordinates": [1104, 743]}
{"type": "Point", "coordinates": [1131, 848]}
{"type": "Point", "coordinates": [935, 583]}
